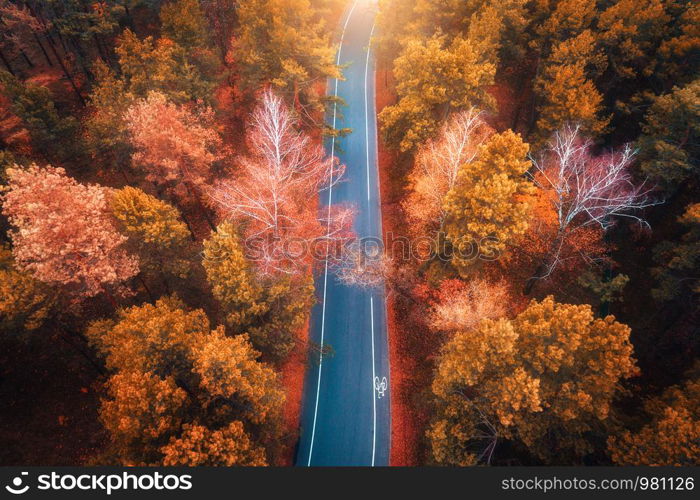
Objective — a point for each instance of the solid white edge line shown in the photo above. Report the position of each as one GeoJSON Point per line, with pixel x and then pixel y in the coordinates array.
{"type": "Point", "coordinates": [374, 377]}
{"type": "Point", "coordinates": [381, 231]}
{"type": "Point", "coordinates": [325, 276]}
{"type": "Point", "coordinates": [371, 298]}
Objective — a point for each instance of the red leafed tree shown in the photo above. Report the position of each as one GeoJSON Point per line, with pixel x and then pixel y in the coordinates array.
{"type": "Point", "coordinates": [436, 166]}
{"type": "Point", "coordinates": [273, 190]}
{"type": "Point", "coordinates": [63, 232]}
{"type": "Point", "coordinates": [585, 192]}
{"type": "Point", "coordinates": [174, 145]}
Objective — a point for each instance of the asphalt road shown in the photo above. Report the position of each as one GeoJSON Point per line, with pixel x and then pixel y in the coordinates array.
{"type": "Point", "coordinates": [346, 412]}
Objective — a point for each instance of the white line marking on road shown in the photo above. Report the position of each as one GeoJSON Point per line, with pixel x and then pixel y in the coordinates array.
{"type": "Point", "coordinates": [325, 276]}
{"type": "Point", "coordinates": [371, 298]}
{"type": "Point", "coordinates": [374, 399]}
{"type": "Point", "coordinates": [369, 49]}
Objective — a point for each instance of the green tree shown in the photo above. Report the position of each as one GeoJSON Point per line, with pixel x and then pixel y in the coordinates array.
{"type": "Point", "coordinates": [545, 379]}
{"type": "Point", "coordinates": [285, 44]}
{"type": "Point", "coordinates": [487, 205]}
{"type": "Point", "coordinates": [53, 136]}
{"type": "Point", "coordinates": [107, 138]}
{"type": "Point", "coordinates": [154, 231]}
{"type": "Point", "coordinates": [670, 143]}
{"type": "Point", "coordinates": [678, 271]}
{"type": "Point", "coordinates": [271, 310]}
{"type": "Point", "coordinates": [183, 21]}
{"type": "Point", "coordinates": [161, 65]}
{"type": "Point", "coordinates": [25, 303]}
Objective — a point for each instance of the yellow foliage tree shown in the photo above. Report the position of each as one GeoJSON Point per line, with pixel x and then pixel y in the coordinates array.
{"type": "Point", "coordinates": [141, 411]}
{"type": "Point", "coordinates": [487, 206]}
{"type": "Point", "coordinates": [283, 43]}
{"type": "Point", "coordinates": [183, 21]}
{"type": "Point", "coordinates": [171, 370]}
{"type": "Point", "coordinates": [25, 303]}
{"type": "Point", "coordinates": [199, 446]}
{"type": "Point", "coordinates": [545, 379]}
{"type": "Point", "coordinates": [436, 166]}
{"type": "Point", "coordinates": [630, 31]}
{"type": "Point", "coordinates": [560, 20]}
{"type": "Point", "coordinates": [435, 78]}
{"type": "Point", "coordinates": [672, 436]}
{"type": "Point", "coordinates": [566, 92]}
{"type": "Point", "coordinates": [154, 230]}
{"type": "Point", "coordinates": [271, 311]}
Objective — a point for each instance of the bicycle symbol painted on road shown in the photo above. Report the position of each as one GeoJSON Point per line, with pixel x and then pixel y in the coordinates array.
{"type": "Point", "coordinates": [380, 386]}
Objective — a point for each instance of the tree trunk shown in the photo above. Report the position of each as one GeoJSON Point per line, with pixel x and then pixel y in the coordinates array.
{"type": "Point", "coordinates": [43, 50]}
{"type": "Point", "coordinates": [185, 220]}
{"type": "Point", "coordinates": [67, 74]}
{"type": "Point", "coordinates": [111, 299]}
{"type": "Point", "coordinates": [145, 287]}
{"type": "Point", "coordinates": [554, 248]}
{"type": "Point", "coordinates": [7, 63]}
{"type": "Point", "coordinates": [63, 334]}
{"type": "Point", "coordinates": [533, 279]}
{"type": "Point", "coordinates": [26, 58]}
{"type": "Point", "coordinates": [197, 195]}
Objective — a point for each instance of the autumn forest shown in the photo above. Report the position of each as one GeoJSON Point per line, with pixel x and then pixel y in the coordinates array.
{"type": "Point", "coordinates": [164, 245]}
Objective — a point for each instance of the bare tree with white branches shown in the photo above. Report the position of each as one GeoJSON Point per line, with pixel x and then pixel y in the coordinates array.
{"type": "Point", "coordinates": [364, 266]}
{"type": "Point", "coordinates": [273, 189]}
{"type": "Point", "coordinates": [587, 190]}
{"type": "Point", "coordinates": [437, 163]}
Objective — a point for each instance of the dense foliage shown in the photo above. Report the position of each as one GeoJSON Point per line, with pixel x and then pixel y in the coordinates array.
{"type": "Point", "coordinates": [549, 151]}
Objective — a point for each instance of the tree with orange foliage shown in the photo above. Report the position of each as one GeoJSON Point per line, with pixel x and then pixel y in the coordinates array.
{"type": "Point", "coordinates": [567, 93]}
{"type": "Point", "coordinates": [199, 446]}
{"type": "Point", "coordinates": [63, 232]}
{"type": "Point", "coordinates": [671, 435]}
{"type": "Point", "coordinates": [175, 146]}
{"type": "Point", "coordinates": [488, 204]}
{"type": "Point", "coordinates": [546, 379]}
{"type": "Point", "coordinates": [582, 248]}
{"type": "Point", "coordinates": [181, 391]}
{"type": "Point", "coordinates": [272, 192]}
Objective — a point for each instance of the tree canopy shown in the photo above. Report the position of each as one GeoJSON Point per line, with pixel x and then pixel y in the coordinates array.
{"type": "Point", "coordinates": [546, 379]}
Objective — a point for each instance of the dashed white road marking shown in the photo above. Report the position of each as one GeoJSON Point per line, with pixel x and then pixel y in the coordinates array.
{"type": "Point", "coordinates": [369, 48]}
